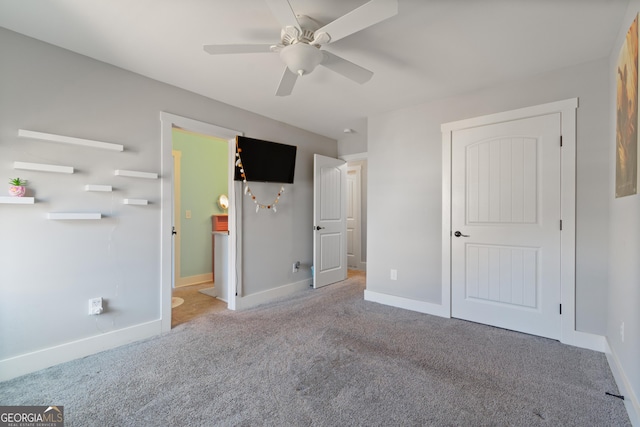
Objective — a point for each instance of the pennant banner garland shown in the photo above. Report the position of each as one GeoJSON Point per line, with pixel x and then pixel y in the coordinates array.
{"type": "Point", "coordinates": [247, 189]}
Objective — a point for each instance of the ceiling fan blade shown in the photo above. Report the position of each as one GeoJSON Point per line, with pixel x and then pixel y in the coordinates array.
{"type": "Point", "coordinates": [223, 49]}
{"type": "Point", "coordinates": [281, 9]}
{"type": "Point", "coordinates": [358, 19]}
{"type": "Point", "coordinates": [287, 82]}
{"type": "Point", "coordinates": [346, 68]}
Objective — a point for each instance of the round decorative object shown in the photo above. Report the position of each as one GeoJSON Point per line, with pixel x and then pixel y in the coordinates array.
{"type": "Point", "coordinates": [17, 190]}
{"type": "Point", "coordinates": [223, 202]}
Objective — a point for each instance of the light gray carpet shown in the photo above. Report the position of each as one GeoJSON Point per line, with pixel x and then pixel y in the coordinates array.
{"type": "Point", "coordinates": [328, 358]}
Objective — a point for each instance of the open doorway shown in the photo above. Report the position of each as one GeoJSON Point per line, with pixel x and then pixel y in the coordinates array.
{"type": "Point", "coordinates": [356, 211]}
{"type": "Point", "coordinates": [200, 177]}
{"type": "Point", "coordinates": [200, 180]}
{"type": "Point", "coordinates": [231, 262]}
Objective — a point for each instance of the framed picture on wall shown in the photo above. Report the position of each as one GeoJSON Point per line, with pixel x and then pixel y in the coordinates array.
{"type": "Point", "coordinates": [627, 115]}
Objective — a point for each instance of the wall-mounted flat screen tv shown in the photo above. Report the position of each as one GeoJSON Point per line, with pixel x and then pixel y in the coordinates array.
{"type": "Point", "coordinates": [266, 161]}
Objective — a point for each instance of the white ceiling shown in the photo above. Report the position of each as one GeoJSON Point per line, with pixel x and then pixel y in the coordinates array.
{"type": "Point", "coordinates": [432, 49]}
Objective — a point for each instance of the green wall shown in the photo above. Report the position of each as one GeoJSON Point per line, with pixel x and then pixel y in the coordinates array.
{"type": "Point", "coordinates": [204, 171]}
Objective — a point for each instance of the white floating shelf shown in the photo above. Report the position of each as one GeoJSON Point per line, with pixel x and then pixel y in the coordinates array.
{"type": "Point", "coordinates": [136, 174]}
{"type": "Point", "coordinates": [60, 215]}
{"type": "Point", "coordinates": [70, 140]}
{"type": "Point", "coordinates": [42, 167]}
{"type": "Point", "coordinates": [17, 200]}
{"type": "Point", "coordinates": [135, 202]}
{"type": "Point", "coordinates": [94, 187]}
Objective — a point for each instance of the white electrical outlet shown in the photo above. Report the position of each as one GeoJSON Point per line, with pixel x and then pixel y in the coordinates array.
{"type": "Point", "coordinates": [95, 306]}
{"type": "Point", "coordinates": [622, 331]}
{"type": "Point", "coordinates": [394, 274]}
{"type": "Point", "coordinates": [187, 214]}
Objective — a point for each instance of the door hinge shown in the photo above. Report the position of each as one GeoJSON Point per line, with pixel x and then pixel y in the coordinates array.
{"type": "Point", "coordinates": [560, 308]}
{"type": "Point", "coordinates": [560, 225]}
{"type": "Point", "coordinates": [560, 140]}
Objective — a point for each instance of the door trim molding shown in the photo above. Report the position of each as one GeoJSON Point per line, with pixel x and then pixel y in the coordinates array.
{"type": "Point", "coordinates": [167, 121]}
{"type": "Point", "coordinates": [567, 109]}
{"type": "Point", "coordinates": [354, 157]}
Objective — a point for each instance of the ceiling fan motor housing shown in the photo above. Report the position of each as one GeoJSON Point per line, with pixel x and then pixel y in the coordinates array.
{"type": "Point", "coordinates": [305, 34]}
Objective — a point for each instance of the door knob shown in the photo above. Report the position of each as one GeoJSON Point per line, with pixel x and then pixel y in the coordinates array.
{"type": "Point", "coordinates": [318, 228]}
{"type": "Point", "coordinates": [459, 234]}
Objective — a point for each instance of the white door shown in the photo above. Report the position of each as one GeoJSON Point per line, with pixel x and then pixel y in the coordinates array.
{"type": "Point", "coordinates": [329, 220]}
{"type": "Point", "coordinates": [505, 221]}
{"type": "Point", "coordinates": [354, 255]}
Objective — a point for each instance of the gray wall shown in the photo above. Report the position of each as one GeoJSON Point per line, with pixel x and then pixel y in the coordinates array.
{"type": "Point", "coordinates": [355, 142]}
{"type": "Point", "coordinates": [49, 269]}
{"type": "Point", "coordinates": [405, 194]}
{"type": "Point", "coordinates": [624, 226]}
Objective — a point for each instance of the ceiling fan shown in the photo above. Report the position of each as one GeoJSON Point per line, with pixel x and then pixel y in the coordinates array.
{"type": "Point", "coordinates": [301, 39]}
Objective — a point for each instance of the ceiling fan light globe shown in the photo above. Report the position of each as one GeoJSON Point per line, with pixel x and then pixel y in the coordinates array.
{"type": "Point", "coordinates": [301, 58]}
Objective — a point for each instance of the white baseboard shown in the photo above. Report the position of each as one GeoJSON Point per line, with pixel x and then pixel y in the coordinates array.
{"type": "Point", "coordinates": [407, 304]}
{"type": "Point", "coordinates": [41, 359]}
{"type": "Point", "coordinates": [253, 300]}
{"type": "Point", "coordinates": [624, 386]}
{"type": "Point", "coordinates": [584, 340]}
{"type": "Point", "coordinates": [194, 280]}
{"type": "Point", "coordinates": [575, 338]}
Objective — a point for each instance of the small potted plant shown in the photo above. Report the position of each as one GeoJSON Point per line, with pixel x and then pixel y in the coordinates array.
{"type": "Point", "coordinates": [17, 187]}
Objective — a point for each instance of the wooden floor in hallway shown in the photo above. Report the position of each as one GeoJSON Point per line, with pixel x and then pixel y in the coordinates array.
{"type": "Point", "coordinates": [195, 304]}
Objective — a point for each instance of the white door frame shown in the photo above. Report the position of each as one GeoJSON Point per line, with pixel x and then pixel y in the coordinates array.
{"type": "Point", "coordinates": [166, 221]}
{"type": "Point", "coordinates": [567, 110]}
{"type": "Point", "coordinates": [354, 199]}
